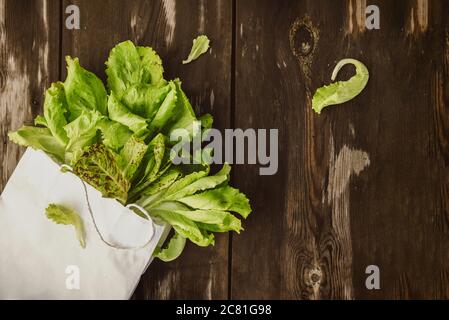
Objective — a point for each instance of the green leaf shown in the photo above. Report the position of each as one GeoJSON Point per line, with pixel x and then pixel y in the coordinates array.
{"type": "Point", "coordinates": [152, 71]}
{"type": "Point", "coordinates": [81, 133]}
{"type": "Point", "coordinates": [213, 217]}
{"type": "Point", "coordinates": [222, 198]}
{"type": "Point", "coordinates": [129, 65]}
{"type": "Point", "coordinates": [114, 134]}
{"type": "Point", "coordinates": [66, 216]}
{"type": "Point", "coordinates": [151, 164]}
{"type": "Point", "coordinates": [83, 89]}
{"type": "Point", "coordinates": [119, 113]}
{"type": "Point", "coordinates": [165, 180]}
{"type": "Point", "coordinates": [173, 249]}
{"type": "Point", "coordinates": [145, 99]}
{"type": "Point", "coordinates": [200, 46]}
{"type": "Point", "coordinates": [166, 113]}
{"type": "Point", "coordinates": [99, 167]}
{"type": "Point", "coordinates": [131, 156]}
{"type": "Point", "coordinates": [39, 139]}
{"type": "Point", "coordinates": [123, 67]}
{"type": "Point", "coordinates": [40, 121]}
{"type": "Point", "coordinates": [341, 91]}
{"type": "Point", "coordinates": [186, 228]}
{"type": "Point", "coordinates": [55, 108]}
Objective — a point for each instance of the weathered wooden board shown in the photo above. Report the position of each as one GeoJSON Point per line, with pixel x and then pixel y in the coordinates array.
{"type": "Point", "coordinates": [29, 62]}
{"type": "Point", "coordinates": [365, 183]}
{"type": "Point", "coordinates": [362, 184]}
{"type": "Point", "coordinates": [169, 27]}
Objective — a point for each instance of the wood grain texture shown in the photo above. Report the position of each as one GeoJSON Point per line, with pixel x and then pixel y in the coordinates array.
{"type": "Point", "coordinates": [29, 40]}
{"type": "Point", "coordinates": [361, 184]}
{"type": "Point", "coordinates": [365, 183]}
{"type": "Point", "coordinates": [169, 27]}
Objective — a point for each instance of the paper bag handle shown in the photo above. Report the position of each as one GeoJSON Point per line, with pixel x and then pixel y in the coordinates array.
{"type": "Point", "coordinates": [129, 206]}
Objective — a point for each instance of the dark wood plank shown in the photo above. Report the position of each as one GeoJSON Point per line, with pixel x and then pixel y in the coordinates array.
{"type": "Point", "coordinates": [29, 62]}
{"type": "Point", "coordinates": [363, 183]}
{"type": "Point", "coordinates": [169, 27]}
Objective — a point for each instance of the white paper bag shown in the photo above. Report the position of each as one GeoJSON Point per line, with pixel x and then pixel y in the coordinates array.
{"type": "Point", "coordinates": [42, 260]}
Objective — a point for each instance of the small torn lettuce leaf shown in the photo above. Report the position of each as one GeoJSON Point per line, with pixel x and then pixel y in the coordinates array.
{"type": "Point", "coordinates": [341, 91]}
{"type": "Point", "coordinates": [173, 249]}
{"type": "Point", "coordinates": [200, 46]}
{"type": "Point", "coordinates": [62, 215]}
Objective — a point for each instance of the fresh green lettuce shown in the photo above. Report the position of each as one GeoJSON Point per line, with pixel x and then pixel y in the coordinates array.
{"type": "Point", "coordinates": [116, 140]}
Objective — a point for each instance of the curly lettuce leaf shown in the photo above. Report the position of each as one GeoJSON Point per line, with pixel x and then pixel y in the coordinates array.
{"type": "Point", "coordinates": [62, 215]}
{"type": "Point", "coordinates": [39, 139]}
{"type": "Point", "coordinates": [119, 113]}
{"type": "Point", "coordinates": [145, 99]}
{"type": "Point", "coordinates": [114, 134]}
{"type": "Point", "coordinates": [200, 46]}
{"type": "Point", "coordinates": [131, 156]}
{"type": "Point", "coordinates": [173, 249]}
{"type": "Point", "coordinates": [55, 109]}
{"type": "Point", "coordinates": [84, 90]}
{"type": "Point", "coordinates": [212, 217]}
{"type": "Point", "coordinates": [129, 65]}
{"type": "Point", "coordinates": [99, 167]}
{"type": "Point", "coordinates": [222, 198]}
{"type": "Point", "coordinates": [151, 165]}
{"type": "Point", "coordinates": [152, 71]}
{"type": "Point", "coordinates": [82, 132]}
{"type": "Point", "coordinates": [186, 227]}
{"type": "Point", "coordinates": [341, 91]}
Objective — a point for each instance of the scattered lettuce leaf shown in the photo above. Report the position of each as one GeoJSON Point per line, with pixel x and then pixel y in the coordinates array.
{"type": "Point", "coordinates": [62, 215]}
{"type": "Point", "coordinates": [341, 91]}
{"type": "Point", "coordinates": [200, 46]}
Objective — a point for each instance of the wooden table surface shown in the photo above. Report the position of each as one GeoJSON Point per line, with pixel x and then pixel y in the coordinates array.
{"type": "Point", "coordinates": [365, 183]}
